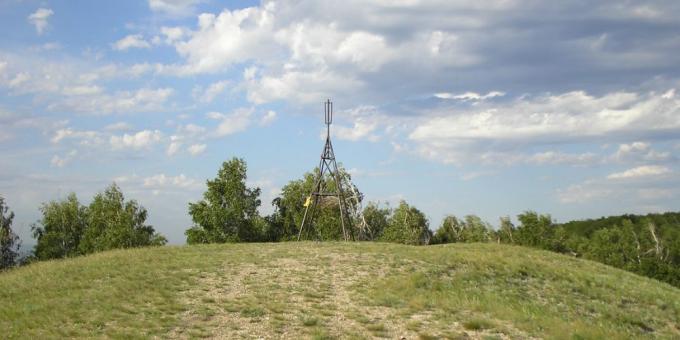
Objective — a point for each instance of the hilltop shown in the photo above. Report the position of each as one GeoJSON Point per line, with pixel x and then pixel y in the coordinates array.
{"type": "Point", "coordinates": [328, 290]}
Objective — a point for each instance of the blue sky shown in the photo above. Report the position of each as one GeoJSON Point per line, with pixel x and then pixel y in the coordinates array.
{"type": "Point", "coordinates": [459, 107]}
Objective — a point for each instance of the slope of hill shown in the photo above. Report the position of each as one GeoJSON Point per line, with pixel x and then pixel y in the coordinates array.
{"type": "Point", "coordinates": [328, 290]}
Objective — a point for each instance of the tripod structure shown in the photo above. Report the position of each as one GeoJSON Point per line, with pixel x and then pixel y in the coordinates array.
{"type": "Point", "coordinates": [327, 165]}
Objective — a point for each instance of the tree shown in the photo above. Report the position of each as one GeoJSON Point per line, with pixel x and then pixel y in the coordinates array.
{"type": "Point", "coordinates": [326, 224]}
{"type": "Point", "coordinates": [506, 230]}
{"type": "Point", "coordinates": [61, 230]}
{"type": "Point", "coordinates": [9, 241]}
{"type": "Point", "coordinates": [114, 223]}
{"type": "Point", "coordinates": [68, 228]}
{"type": "Point", "coordinates": [472, 229]}
{"type": "Point", "coordinates": [407, 225]}
{"type": "Point", "coordinates": [228, 211]}
{"type": "Point", "coordinates": [377, 220]}
{"type": "Point", "coordinates": [449, 231]}
{"type": "Point", "coordinates": [535, 230]}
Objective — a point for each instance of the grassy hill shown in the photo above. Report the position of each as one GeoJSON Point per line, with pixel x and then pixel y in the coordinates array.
{"type": "Point", "coordinates": [328, 290]}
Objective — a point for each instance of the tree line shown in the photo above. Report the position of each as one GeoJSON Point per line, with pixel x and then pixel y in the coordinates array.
{"type": "Point", "coordinates": [68, 228]}
{"type": "Point", "coordinates": [647, 245]}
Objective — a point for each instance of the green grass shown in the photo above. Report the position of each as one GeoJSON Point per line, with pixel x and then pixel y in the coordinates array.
{"type": "Point", "coordinates": [334, 290]}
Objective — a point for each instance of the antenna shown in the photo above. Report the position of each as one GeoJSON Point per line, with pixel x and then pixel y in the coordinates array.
{"type": "Point", "coordinates": [328, 112]}
{"type": "Point", "coordinates": [327, 165]}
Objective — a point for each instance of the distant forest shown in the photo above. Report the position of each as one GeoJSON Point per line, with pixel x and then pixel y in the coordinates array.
{"type": "Point", "coordinates": [648, 245]}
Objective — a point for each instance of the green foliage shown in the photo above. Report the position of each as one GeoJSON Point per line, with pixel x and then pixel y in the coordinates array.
{"type": "Point", "coordinates": [62, 227]}
{"type": "Point", "coordinates": [377, 220]}
{"type": "Point", "coordinates": [535, 230]}
{"type": "Point", "coordinates": [326, 224]}
{"type": "Point", "coordinates": [9, 241]}
{"type": "Point", "coordinates": [647, 245]}
{"type": "Point", "coordinates": [114, 223]}
{"type": "Point", "coordinates": [68, 228]}
{"type": "Point", "coordinates": [407, 225]}
{"type": "Point", "coordinates": [228, 211]}
{"type": "Point", "coordinates": [472, 229]}
{"type": "Point", "coordinates": [505, 231]}
{"type": "Point", "coordinates": [640, 247]}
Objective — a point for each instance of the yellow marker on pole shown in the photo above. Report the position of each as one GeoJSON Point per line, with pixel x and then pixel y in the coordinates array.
{"type": "Point", "coordinates": [308, 201]}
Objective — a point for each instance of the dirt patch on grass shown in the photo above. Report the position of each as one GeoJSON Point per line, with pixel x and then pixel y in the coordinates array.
{"type": "Point", "coordinates": [313, 293]}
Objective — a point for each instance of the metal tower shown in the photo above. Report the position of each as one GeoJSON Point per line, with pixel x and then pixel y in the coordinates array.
{"type": "Point", "coordinates": [328, 165]}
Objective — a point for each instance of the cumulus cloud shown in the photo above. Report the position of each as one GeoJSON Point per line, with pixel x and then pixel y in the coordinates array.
{"type": "Point", "coordinates": [173, 34]}
{"type": "Point", "coordinates": [268, 118]}
{"type": "Point", "coordinates": [583, 193]}
{"type": "Point", "coordinates": [639, 151]}
{"type": "Point", "coordinates": [81, 90]}
{"type": "Point", "coordinates": [196, 149]}
{"type": "Point", "coordinates": [84, 137]}
{"type": "Point", "coordinates": [165, 181]}
{"type": "Point", "coordinates": [61, 161]}
{"type": "Point", "coordinates": [641, 171]}
{"type": "Point", "coordinates": [120, 126]}
{"type": "Point", "coordinates": [174, 146]}
{"type": "Point", "coordinates": [39, 19]}
{"type": "Point", "coordinates": [553, 157]}
{"type": "Point", "coordinates": [141, 100]}
{"type": "Point", "coordinates": [232, 123]}
{"type": "Point", "coordinates": [449, 134]}
{"type": "Point", "coordinates": [131, 41]}
{"type": "Point", "coordinates": [647, 183]}
{"type": "Point", "coordinates": [365, 123]}
{"type": "Point", "coordinates": [422, 46]}
{"type": "Point", "coordinates": [174, 7]}
{"type": "Point", "coordinates": [212, 91]}
{"type": "Point", "coordinates": [469, 96]}
{"type": "Point", "coordinates": [140, 140]}
{"type": "Point", "coordinates": [192, 130]}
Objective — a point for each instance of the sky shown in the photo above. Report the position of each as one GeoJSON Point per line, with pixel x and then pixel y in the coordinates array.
{"type": "Point", "coordinates": [569, 108]}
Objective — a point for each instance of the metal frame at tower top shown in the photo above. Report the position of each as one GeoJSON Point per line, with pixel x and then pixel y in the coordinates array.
{"type": "Point", "coordinates": [327, 164]}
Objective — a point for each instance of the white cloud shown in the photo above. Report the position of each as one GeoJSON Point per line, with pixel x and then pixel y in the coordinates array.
{"type": "Point", "coordinates": [583, 193]}
{"type": "Point", "coordinates": [60, 162]}
{"type": "Point", "coordinates": [140, 140]}
{"type": "Point", "coordinates": [639, 151]}
{"type": "Point", "coordinates": [39, 19]}
{"type": "Point", "coordinates": [453, 134]}
{"type": "Point", "coordinates": [641, 171]}
{"type": "Point", "coordinates": [361, 129]}
{"type": "Point", "coordinates": [120, 126]}
{"type": "Point", "coordinates": [268, 118]}
{"type": "Point", "coordinates": [85, 137]}
{"type": "Point", "coordinates": [192, 129]}
{"type": "Point", "coordinates": [81, 90]}
{"type": "Point", "coordinates": [213, 91]}
{"type": "Point", "coordinates": [231, 37]}
{"type": "Point", "coordinates": [131, 41]}
{"type": "Point", "coordinates": [299, 86]}
{"type": "Point", "coordinates": [196, 149]}
{"type": "Point", "coordinates": [232, 123]}
{"type": "Point", "coordinates": [164, 181]}
{"type": "Point", "coordinates": [469, 96]}
{"type": "Point", "coordinates": [142, 100]}
{"type": "Point", "coordinates": [367, 51]}
{"type": "Point", "coordinates": [173, 34]}
{"type": "Point", "coordinates": [174, 7]}
{"type": "Point", "coordinates": [19, 79]}
{"type": "Point", "coordinates": [174, 146]}
{"type": "Point", "coordinates": [365, 122]}
{"type": "Point", "coordinates": [554, 157]}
